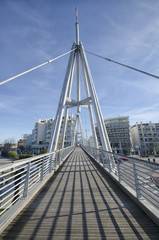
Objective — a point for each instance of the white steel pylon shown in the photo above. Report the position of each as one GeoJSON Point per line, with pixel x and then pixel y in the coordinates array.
{"type": "Point", "coordinates": [78, 130]}
{"type": "Point", "coordinates": [78, 55]}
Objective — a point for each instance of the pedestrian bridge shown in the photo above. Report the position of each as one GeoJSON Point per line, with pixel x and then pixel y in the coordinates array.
{"type": "Point", "coordinates": [79, 192]}
{"type": "Point", "coordinates": [69, 195]}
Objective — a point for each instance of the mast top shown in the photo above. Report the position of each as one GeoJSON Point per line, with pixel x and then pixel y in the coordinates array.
{"type": "Point", "coordinates": [77, 27]}
{"type": "Point", "coordinates": [76, 14]}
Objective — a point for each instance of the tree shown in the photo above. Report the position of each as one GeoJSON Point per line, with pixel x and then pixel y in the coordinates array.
{"type": "Point", "coordinates": [13, 155]}
{"type": "Point", "coordinates": [7, 146]}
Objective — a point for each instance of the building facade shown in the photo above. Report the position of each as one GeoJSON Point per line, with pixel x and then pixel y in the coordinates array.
{"type": "Point", "coordinates": [41, 133]}
{"type": "Point", "coordinates": [145, 138]}
{"type": "Point", "coordinates": [118, 130]}
{"type": "Point", "coordinates": [39, 136]}
{"type": "Point", "coordinates": [70, 131]}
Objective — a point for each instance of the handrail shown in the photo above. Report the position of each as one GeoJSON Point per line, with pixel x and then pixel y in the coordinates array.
{"type": "Point", "coordinates": [17, 179]}
{"type": "Point", "coordinates": [139, 176]}
{"type": "Point", "coordinates": [20, 162]}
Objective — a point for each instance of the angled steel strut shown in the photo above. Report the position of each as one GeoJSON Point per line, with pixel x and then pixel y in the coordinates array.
{"type": "Point", "coordinates": [78, 57]}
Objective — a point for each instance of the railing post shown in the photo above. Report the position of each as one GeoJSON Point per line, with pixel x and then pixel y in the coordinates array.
{"type": "Point", "coordinates": [26, 185]}
{"type": "Point", "coordinates": [104, 159]}
{"type": "Point", "coordinates": [108, 160]}
{"type": "Point", "coordinates": [94, 153]}
{"type": "Point", "coordinates": [50, 163]}
{"type": "Point", "coordinates": [63, 154]}
{"type": "Point", "coordinates": [138, 195]}
{"type": "Point", "coordinates": [59, 157]}
{"type": "Point", "coordinates": [97, 156]}
{"type": "Point", "coordinates": [118, 169]}
{"type": "Point", "coordinates": [56, 158]}
{"type": "Point", "coordinates": [42, 169]}
{"type": "Point", "coordinates": [111, 162]}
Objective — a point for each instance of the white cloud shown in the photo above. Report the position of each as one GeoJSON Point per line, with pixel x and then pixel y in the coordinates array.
{"type": "Point", "coordinates": [9, 104]}
{"type": "Point", "coordinates": [145, 114]}
{"type": "Point", "coordinates": [146, 86]}
{"type": "Point", "coordinates": [132, 38]}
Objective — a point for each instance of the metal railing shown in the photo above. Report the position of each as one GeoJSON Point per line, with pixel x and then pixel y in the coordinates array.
{"type": "Point", "coordinates": [17, 179]}
{"type": "Point", "coordinates": [140, 177]}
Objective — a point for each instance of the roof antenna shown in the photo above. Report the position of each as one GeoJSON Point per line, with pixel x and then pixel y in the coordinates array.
{"type": "Point", "coordinates": [77, 27]}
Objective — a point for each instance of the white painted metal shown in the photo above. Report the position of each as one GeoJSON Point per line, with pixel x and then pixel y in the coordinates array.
{"type": "Point", "coordinates": [62, 103]}
{"type": "Point", "coordinates": [77, 27]}
{"type": "Point", "coordinates": [89, 106]}
{"type": "Point", "coordinates": [99, 118]}
{"type": "Point", "coordinates": [66, 109]}
{"type": "Point", "coordinates": [67, 102]}
{"type": "Point", "coordinates": [17, 179]}
{"type": "Point", "coordinates": [78, 80]}
{"type": "Point", "coordinates": [137, 176]}
{"type": "Point", "coordinates": [64, 128]}
{"type": "Point", "coordinates": [77, 62]}
{"type": "Point", "coordinates": [81, 126]}
{"type": "Point", "coordinates": [75, 134]}
{"type": "Point", "coordinates": [31, 69]}
{"type": "Point", "coordinates": [78, 130]}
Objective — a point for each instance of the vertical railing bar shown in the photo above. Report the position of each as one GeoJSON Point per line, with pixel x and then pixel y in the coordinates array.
{"type": "Point", "coordinates": [118, 169]}
{"type": "Point", "coordinates": [137, 187]}
{"type": "Point", "coordinates": [42, 169]}
{"type": "Point", "coordinates": [50, 163]}
{"type": "Point", "coordinates": [31, 172]}
{"type": "Point", "coordinates": [26, 185]}
{"type": "Point", "coordinates": [59, 157]}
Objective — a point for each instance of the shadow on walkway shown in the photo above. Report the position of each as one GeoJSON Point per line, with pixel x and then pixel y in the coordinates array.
{"type": "Point", "coordinates": [81, 202]}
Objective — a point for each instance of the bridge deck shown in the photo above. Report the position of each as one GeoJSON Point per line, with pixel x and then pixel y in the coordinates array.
{"type": "Point", "coordinates": [81, 202]}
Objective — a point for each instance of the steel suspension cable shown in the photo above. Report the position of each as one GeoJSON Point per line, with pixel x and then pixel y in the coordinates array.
{"type": "Point", "coordinates": [124, 65]}
{"type": "Point", "coordinates": [31, 69]}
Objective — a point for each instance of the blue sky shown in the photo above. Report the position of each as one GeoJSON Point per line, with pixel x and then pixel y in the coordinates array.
{"type": "Point", "coordinates": [32, 32]}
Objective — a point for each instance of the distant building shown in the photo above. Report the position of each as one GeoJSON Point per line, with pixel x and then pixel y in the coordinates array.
{"type": "Point", "coordinates": [28, 139]}
{"type": "Point", "coordinates": [90, 141]}
{"type": "Point", "coordinates": [145, 137]}
{"type": "Point", "coordinates": [118, 130]}
{"type": "Point", "coordinates": [39, 142]}
{"type": "Point", "coordinates": [41, 133]}
{"type": "Point", "coordinates": [49, 125]}
{"type": "Point", "coordinates": [70, 128]}
{"type": "Point", "coordinates": [21, 143]}
{"type": "Point", "coordinates": [26, 143]}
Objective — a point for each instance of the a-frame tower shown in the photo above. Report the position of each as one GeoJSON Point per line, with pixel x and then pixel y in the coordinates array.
{"type": "Point", "coordinates": [78, 55]}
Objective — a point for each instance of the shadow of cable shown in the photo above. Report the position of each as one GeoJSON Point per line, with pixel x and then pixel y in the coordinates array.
{"type": "Point", "coordinates": [128, 204]}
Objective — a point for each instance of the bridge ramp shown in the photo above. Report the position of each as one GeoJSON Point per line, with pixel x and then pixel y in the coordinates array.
{"type": "Point", "coordinates": [81, 202]}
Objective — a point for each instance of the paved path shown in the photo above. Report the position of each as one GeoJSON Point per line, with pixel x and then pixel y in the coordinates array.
{"type": "Point", "coordinates": [4, 161]}
{"type": "Point", "coordinates": [81, 202]}
{"type": "Point", "coordinates": [151, 158]}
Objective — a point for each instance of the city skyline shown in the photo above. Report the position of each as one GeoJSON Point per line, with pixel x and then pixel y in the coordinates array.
{"type": "Point", "coordinates": [33, 33]}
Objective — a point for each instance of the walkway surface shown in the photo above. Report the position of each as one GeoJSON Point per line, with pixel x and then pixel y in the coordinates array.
{"type": "Point", "coordinates": [81, 202]}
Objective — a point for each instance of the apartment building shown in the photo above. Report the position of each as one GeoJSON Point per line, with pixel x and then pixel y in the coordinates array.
{"type": "Point", "coordinates": [145, 137]}
{"type": "Point", "coordinates": [41, 133]}
{"type": "Point", "coordinates": [118, 130]}
{"type": "Point", "coordinates": [39, 136]}
{"type": "Point", "coordinates": [70, 128]}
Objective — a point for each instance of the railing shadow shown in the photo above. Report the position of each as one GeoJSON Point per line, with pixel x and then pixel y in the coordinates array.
{"type": "Point", "coordinates": [27, 215]}
{"type": "Point", "coordinates": [126, 203]}
{"type": "Point", "coordinates": [83, 182]}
